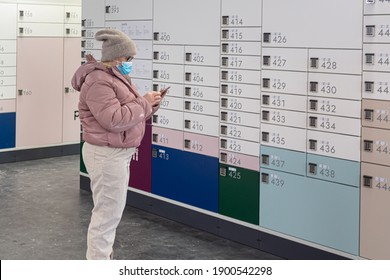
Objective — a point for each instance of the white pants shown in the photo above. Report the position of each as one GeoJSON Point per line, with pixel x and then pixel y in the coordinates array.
{"type": "Point", "coordinates": [109, 172]}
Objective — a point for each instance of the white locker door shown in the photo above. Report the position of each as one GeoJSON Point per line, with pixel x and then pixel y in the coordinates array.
{"type": "Point", "coordinates": [128, 9]}
{"type": "Point", "coordinates": [236, 13]}
{"type": "Point", "coordinates": [93, 13]}
{"type": "Point", "coordinates": [179, 22]}
{"type": "Point", "coordinates": [289, 23]}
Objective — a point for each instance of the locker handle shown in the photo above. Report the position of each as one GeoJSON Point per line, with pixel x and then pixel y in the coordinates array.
{"type": "Point", "coordinates": [188, 57]}
{"type": "Point", "coordinates": [223, 143]}
{"type": "Point", "coordinates": [225, 20]}
{"type": "Point", "coordinates": [266, 82]}
{"type": "Point", "coordinates": [265, 159]}
{"type": "Point", "coordinates": [312, 144]}
{"type": "Point", "coordinates": [369, 86]}
{"type": "Point", "coordinates": [312, 168]}
{"type": "Point", "coordinates": [223, 129]}
{"type": "Point", "coordinates": [266, 37]}
{"type": "Point", "coordinates": [187, 143]}
{"type": "Point", "coordinates": [367, 181]}
{"type": "Point", "coordinates": [370, 30]}
{"type": "Point", "coordinates": [370, 57]}
{"type": "Point", "coordinates": [108, 9]}
{"type": "Point", "coordinates": [223, 157]}
{"type": "Point", "coordinates": [67, 90]}
{"type": "Point", "coordinates": [265, 178]}
{"type": "Point", "coordinates": [369, 114]}
{"type": "Point", "coordinates": [187, 91]}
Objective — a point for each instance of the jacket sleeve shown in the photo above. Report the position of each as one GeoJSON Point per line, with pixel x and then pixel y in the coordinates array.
{"type": "Point", "coordinates": [154, 110]}
{"type": "Point", "coordinates": [110, 114]}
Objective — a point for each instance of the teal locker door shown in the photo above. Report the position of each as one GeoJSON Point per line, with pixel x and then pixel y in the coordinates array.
{"type": "Point", "coordinates": [315, 210]}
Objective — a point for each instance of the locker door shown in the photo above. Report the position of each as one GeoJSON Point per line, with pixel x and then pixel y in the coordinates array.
{"type": "Point", "coordinates": [7, 128]}
{"type": "Point", "coordinates": [375, 207]}
{"type": "Point", "coordinates": [39, 101]}
{"type": "Point", "coordinates": [322, 20]}
{"type": "Point", "coordinates": [239, 193]}
{"type": "Point", "coordinates": [93, 13]}
{"type": "Point", "coordinates": [71, 122]}
{"type": "Point", "coordinates": [322, 212]}
{"type": "Point", "coordinates": [141, 164]}
{"type": "Point", "coordinates": [125, 9]}
{"type": "Point", "coordinates": [179, 176]}
{"type": "Point", "coordinates": [200, 22]}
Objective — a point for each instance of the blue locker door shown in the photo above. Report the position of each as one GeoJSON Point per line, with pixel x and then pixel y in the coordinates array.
{"type": "Point", "coordinates": [7, 128]}
{"type": "Point", "coordinates": [185, 177]}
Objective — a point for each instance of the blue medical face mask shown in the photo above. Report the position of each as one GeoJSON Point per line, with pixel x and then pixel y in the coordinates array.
{"type": "Point", "coordinates": [125, 67]}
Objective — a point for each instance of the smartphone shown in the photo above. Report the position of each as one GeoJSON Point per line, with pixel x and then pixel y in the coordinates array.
{"type": "Point", "coordinates": [164, 91]}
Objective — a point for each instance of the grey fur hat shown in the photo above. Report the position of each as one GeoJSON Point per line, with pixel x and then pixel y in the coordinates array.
{"type": "Point", "coordinates": [115, 44]}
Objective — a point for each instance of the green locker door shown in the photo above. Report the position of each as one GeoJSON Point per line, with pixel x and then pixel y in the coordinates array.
{"type": "Point", "coordinates": [239, 193]}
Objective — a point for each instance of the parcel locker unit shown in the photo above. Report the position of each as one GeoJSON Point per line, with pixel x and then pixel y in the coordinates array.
{"type": "Point", "coordinates": [253, 89]}
{"type": "Point", "coordinates": [186, 177]}
{"type": "Point", "coordinates": [239, 193]}
{"type": "Point", "coordinates": [314, 210]}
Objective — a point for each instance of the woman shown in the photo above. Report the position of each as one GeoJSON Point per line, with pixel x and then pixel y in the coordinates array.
{"type": "Point", "coordinates": [112, 115]}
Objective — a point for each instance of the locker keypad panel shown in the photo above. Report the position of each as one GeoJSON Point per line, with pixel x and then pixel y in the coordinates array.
{"type": "Point", "coordinates": [273, 106]}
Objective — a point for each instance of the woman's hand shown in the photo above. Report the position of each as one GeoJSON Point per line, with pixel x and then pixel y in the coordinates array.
{"type": "Point", "coordinates": [153, 97]}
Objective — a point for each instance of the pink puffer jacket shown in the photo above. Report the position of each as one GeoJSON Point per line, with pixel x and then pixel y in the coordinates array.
{"type": "Point", "coordinates": [111, 110]}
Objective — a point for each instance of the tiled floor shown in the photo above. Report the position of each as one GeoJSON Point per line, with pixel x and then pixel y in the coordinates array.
{"type": "Point", "coordinates": [44, 215]}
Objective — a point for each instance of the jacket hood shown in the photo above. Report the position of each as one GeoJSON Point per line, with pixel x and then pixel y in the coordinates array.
{"type": "Point", "coordinates": [83, 71]}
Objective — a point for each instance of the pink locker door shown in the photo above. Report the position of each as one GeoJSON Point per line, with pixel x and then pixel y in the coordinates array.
{"type": "Point", "coordinates": [39, 91]}
{"type": "Point", "coordinates": [71, 122]}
